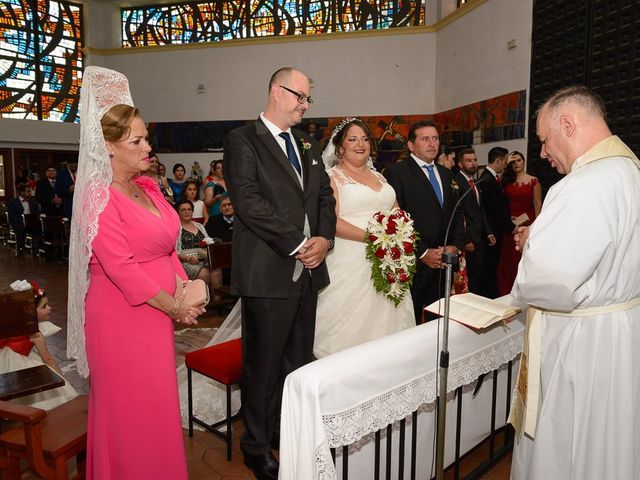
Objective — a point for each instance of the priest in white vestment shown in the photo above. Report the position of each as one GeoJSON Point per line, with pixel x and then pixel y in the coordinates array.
{"type": "Point", "coordinates": [577, 403]}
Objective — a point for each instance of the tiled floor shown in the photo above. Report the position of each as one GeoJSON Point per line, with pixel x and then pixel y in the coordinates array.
{"type": "Point", "coordinates": [206, 454]}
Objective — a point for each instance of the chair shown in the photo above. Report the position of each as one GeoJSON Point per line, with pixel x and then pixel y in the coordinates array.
{"type": "Point", "coordinates": [32, 229]}
{"type": "Point", "coordinates": [5, 228]}
{"type": "Point", "coordinates": [219, 257]}
{"type": "Point", "coordinates": [10, 239]}
{"type": "Point", "coordinates": [53, 234]}
{"type": "Point", "coordinates": [222, 363]}
{"type": "Point", "coordinates": [47, 440]}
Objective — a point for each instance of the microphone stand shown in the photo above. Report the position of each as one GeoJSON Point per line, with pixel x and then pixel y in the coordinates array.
{"type": "Point", "coordinates": [449, 260]}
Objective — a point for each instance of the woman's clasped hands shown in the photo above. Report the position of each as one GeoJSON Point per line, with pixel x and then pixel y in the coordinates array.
{"type": "Point", "coordinates": [182, 312]}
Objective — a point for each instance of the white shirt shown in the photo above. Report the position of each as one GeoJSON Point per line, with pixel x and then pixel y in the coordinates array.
{"type": "Point", "coordinates": [25, 206]}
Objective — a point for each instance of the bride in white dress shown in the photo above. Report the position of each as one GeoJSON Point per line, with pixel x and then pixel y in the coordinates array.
{"type": "Point", "coordinates": [350, 311]}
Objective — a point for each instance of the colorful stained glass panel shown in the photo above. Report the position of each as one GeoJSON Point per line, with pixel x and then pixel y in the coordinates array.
{"type": "Point", "coordinates": [225, 19]}
{"type": "Point", "coordinates": [41, 59]}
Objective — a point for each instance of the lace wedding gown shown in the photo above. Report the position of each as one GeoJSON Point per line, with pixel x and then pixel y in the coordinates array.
{"type": "Point", "coordinates": [350, 311]}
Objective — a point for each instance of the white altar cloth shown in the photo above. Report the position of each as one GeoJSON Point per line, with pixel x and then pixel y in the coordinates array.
{"type": "Point", "coordinates": [343, 397]}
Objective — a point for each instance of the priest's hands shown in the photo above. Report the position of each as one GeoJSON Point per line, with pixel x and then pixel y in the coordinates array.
{"type": "Point", "coordinates": [520, 237]}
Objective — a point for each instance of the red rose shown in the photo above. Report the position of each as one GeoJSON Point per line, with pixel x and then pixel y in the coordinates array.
{"type": "Point", "coordinates": [395, 253]}
{"type": "Point", "coordinates": [402, 275]}
{"type": "Point", "coordinates": [379, 217]}
{"type": "Point", "coordinates": [408, 247]}
{"type": "Point", "coordinates": [380, 252]}
{"type": "Point", "coordinates": [372, 238]}
{"type": "Point", "coordinates": [391, 278]}
{"type": "Point", "coordinates": [391, 227]}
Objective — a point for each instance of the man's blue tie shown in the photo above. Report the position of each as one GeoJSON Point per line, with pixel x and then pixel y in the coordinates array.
{"type": "Point", "coordinates": [434, 182]}
{"type": "Point", "coordinates": [291, 152]}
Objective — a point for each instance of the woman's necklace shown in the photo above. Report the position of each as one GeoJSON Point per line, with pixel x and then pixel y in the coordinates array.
{"type": "Point", "coordinates": [128, 188]}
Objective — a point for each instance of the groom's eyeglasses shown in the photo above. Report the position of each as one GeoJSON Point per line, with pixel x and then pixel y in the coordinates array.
{"type": "Point", "coordinates": [301, 96]}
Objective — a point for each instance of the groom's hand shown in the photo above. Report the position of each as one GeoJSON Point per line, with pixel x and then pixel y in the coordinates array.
{"type": "Point", "coordinates": [313, 252]}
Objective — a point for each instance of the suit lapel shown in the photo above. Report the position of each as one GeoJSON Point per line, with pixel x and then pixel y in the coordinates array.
{"type": "Point", "coordinates": [446, 188]}
{"type": "Point", "coordinates": [272, 145]}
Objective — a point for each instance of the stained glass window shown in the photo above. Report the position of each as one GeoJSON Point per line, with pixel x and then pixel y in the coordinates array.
{"type": "Point", "coordinates": [225, 19]}
{"type": "Point", "coordinates": [41, 59]}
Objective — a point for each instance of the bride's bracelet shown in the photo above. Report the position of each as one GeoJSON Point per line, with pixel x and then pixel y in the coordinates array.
{"type": "Point", "coordinates": [176, 305]}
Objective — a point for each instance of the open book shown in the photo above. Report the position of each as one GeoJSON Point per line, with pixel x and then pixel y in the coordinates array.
{"type": "Point", "coordinates": [474, 311]}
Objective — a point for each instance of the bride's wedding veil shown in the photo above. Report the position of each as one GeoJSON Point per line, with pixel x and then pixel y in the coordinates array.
{"type": "Point", "coordinates": [101, 89]}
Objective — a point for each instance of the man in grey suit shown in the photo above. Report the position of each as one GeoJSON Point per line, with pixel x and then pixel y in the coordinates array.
{"type": "Point", "coordinates": [285, 224]}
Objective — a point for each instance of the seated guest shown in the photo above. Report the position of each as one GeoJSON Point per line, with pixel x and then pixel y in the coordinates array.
{"type": "Point", "coordinates": [177, 182]}
{"type": "Point", "coordinates": [50, 203]}
{"type": "Point", "coordinates": [22, 204]}
{"type": "Point", "coordinates": [153, 172]}
{"type": "Point", "coordinates": [190, 247]}
{"type": "Point", "coordinates": [221, 226]}
{"type": "Point", "coordinates": [162, 179]}
{"type": "Point", "coordinates": [17, 353]}
{"type": "Point", "coordinates": [190, 192]}
{"type": "Point", "coordinates": [214, 188]}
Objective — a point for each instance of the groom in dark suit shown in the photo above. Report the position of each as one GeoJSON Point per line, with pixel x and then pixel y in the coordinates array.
{"type": "Point", "coordinates": [285, 224]}
{"type": "Point", "coordinates": [425, 189]}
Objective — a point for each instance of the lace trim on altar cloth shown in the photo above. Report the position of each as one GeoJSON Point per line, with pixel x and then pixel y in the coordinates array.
{"type": "Point", "coordinates": [325, 469]}
{"type": "Point", "coordinates": [344, 428]}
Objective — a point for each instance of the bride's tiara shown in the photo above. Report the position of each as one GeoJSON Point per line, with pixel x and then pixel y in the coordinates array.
{"type": "Point", "coordinates": [338, 128]}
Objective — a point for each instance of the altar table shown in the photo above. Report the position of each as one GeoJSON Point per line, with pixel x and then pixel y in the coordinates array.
{"type": "Point", "coordinates": [341, 399]}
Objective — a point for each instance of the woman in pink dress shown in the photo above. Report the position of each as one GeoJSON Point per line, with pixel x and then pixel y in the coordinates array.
{"type": "Point", "coordinates": [525, 197]}
{"type": "Point", "coordinates": [134, 429]}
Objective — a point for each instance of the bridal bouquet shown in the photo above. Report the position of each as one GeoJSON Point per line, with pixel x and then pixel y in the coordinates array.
{"type": "Point", "coordinates": [390, 243]}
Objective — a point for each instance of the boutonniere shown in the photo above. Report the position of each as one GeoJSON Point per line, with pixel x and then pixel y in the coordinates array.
{"type": "Point", "coordinates": [454, 185]}
{"type": "Point", "coordinates": [305, 146]}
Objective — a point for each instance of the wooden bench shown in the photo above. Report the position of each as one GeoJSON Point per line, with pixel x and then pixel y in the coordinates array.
{"type": "Point", "coordinates": [47, 440]}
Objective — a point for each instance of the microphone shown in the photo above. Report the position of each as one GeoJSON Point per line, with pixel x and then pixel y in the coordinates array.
{"type": "Point", "coordinates": [453, 213]}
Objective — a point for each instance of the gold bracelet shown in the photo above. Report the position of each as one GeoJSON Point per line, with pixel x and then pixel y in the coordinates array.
{"type": "Point", "coordinates": [176, 304]}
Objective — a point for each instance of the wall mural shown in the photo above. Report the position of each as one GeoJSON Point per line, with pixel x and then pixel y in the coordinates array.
{"type": "Point", "coordinates": [493, 120]}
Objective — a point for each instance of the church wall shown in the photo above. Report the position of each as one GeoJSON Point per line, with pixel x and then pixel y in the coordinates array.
{"type": "Point", "coordinates": [464, 61]}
